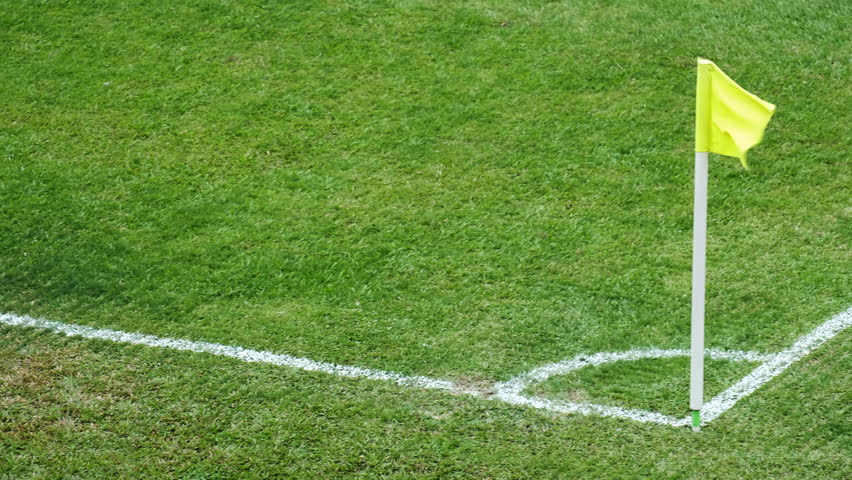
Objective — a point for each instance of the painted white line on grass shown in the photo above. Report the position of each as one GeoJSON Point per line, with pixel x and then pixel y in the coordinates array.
{"type": "Point", "coordinates": [239, 353]}
{"type": "Point", "coordinates": [510, 391]}
{"type": "Point", "coordinates": [561, 368]}
{"type": "Point", "coordinates": [775, 366]}
{"type": "Point", "coordinates": [514, 398]}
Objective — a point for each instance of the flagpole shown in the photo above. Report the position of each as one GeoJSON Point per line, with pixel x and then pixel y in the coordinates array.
{"type": "Point", "coordinates": [728, 121]}
{"type": "Point", "coordinates": [699, 248]}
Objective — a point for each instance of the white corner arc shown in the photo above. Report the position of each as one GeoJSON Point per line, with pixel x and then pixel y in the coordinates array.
{"type": "Point", "coordinates": [511, 391]}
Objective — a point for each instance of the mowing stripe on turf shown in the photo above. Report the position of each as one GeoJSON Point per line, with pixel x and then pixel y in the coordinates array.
{"type": "Point", "coordinates": [510, 391]}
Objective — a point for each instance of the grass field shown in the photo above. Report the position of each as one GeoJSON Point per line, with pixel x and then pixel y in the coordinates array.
{"type": "Point", "coordinates": [463, 191]}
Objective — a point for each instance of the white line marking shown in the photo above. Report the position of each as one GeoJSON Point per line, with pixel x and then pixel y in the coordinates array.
{"type": "Point", "coordinates": [509, 391]}
{"type": "Point", "coordinates": [646, 416]}
{"type": "Point", "coordinates": [239, 353]}
{"type": "Point", "coordinates": [512, 390]}
{"type": "Point", "coordinates": [773, 367]}
{"type": "Point", "coordinates": [561, 368]}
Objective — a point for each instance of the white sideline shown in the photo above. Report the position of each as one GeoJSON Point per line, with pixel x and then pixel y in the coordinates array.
{"type": "Point", "coordinates": [510, 391]}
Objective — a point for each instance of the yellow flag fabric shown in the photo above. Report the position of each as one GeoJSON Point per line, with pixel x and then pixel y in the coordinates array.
{"type": "Point", "coordinates": [728, 119]}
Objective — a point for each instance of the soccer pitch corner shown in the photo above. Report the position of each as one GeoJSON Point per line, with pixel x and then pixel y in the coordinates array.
{"type": "Point", "coordinates": [770, 365]}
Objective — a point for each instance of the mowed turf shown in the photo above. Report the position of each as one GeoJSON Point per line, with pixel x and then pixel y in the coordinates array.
{"type": "Point", "coordinates": [461, 191]}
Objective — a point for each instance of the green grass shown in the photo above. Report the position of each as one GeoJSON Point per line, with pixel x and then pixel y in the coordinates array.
{"type": "Point", "coordinates": [464, 191]}
{"type": "Point", "coordinates": [90, 409]}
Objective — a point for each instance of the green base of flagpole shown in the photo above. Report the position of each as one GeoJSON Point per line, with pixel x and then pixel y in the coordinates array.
{"type": "Point", "coordinates": [696, 420]}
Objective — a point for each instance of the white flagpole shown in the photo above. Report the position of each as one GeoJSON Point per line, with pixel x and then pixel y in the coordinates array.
{"type": "Point", "coordinates": [699, 244]}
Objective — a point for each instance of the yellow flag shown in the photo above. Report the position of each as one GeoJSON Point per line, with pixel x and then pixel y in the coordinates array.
{"type": "Point", "coordinates": [728, 119]}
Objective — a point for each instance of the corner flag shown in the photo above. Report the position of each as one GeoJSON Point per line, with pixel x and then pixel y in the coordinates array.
{"type": "Point", "coordinates": [728, 121]}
